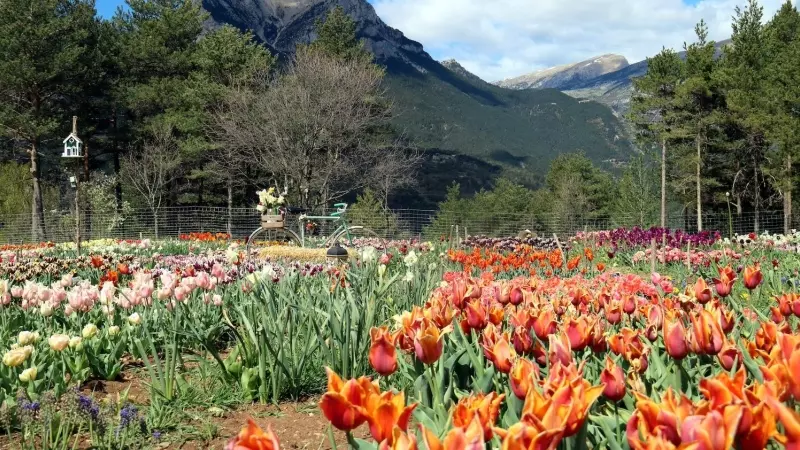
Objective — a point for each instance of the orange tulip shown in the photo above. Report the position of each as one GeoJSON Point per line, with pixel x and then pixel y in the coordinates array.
{"type": "Point", "coordinates": [565, 410]}
{"type": "Point", "coordinates": [573, 263]}
{"type": "Point", "coordinates": [559, 349]}
{"type": "Point", "coordinates": [614, 312]}
{"type": "Point", "coordinates": [429, 342]}
{"type": "Point", "coordinates": [475, 314]}
{"type": "Point", "coordinates": [545, 324]}
{"type": "Point", "coordinates": [382, 353]}
{"type": "Point", "coordinates": [400, 441]}
{"type": "Point", "coordinates": [343, 404]}
{"type": "Point", "coordinates": [790, 421]}
{"type": "Point", "coordinates": [601, 267]}
{"type": "Point", "coordinates": [386, 411]}
{"type": "Point", "coordinates": [252, 437]}
{"type": "Point", "coordinates": [496, 313]}
{"type": "Point", "coordinates": [724, 283]}
{"type": "Point", "coordinates": [523, 342]}
{"type": "Point", "coordinates": [578, 331]}
{"type": "Point", "coordinates": [522, 436]}
{"type": "Point", "coordinates": [707, 337]}
{"type": "Point", "coordinates": [701, 291]}
{"type": "Point", "coordinates": [470, 438]}
{"type": "Point", "coordinates": [613, 379]}
{"type": "Point", "coordinates": [752, 277]}
{"type": "Point", "coordinates": [714, 431]}
{"type": "Point", "coordinates": [729, 355]}
{"type": "Point", "coordinates": [522, 376]}
{"type": "Point", "coordinates": [501, 354]}
{"type": "Point", "coordinates": [485, 408]}
{"type": "Point", "coordinates": [651, 419]}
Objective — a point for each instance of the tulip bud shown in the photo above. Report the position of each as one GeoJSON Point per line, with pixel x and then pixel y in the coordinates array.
{"type": "Point", "coordinates": [382, 353]}
{"type": "Point", "coordinates": [89, 331]}
{"type": "Point", "coordinates": [28, 375]}
{"type": "Point", "coordinates": [27, 337]}
{"type": "Point", "coordinates": [613, 379]}
{"type": "Point", "coordinates": [381, 270]}
{"type": "Point", "coordinates": [46, 309]}
{"type": "Point", "coordinates": [675, 338]}
{"type": "Point", "coordinates": [58, 342]}
{"type": "Point", "coordinates": [76, 343]}
{"type": "Point", "coordinates": [113, 330]}
{"type": "Point", "coordinates": [134, 319]}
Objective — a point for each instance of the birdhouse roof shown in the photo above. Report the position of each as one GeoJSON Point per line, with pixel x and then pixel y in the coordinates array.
{"type": "Point", "coordinates": [73, 136]}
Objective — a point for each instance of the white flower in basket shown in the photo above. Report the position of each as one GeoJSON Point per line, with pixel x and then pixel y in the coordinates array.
{"type": "Point", "coordinates": [268, 205]}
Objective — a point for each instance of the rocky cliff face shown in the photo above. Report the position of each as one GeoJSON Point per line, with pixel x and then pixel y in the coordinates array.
{"type": "Point", "coordinates": [456, 67]}
{"type": "Point", "coordinates": [563, 77]}
{"type": "Point", "coordinates": [282, 24]}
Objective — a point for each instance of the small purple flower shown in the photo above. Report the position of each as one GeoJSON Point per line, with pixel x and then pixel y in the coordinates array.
{"type": "Point", "coordinates": [128, 415]}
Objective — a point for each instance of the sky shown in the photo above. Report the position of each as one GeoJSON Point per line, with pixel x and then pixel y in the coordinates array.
{"type": "Point", "coordinates": [497, 39]}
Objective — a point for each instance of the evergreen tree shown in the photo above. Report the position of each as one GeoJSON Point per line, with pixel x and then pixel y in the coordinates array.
{"type": "Point", "coordinates": [698, 107]}
{"type": "Point", "coordinates": [336, 37]}
{"type": "Point", "coordinates": [652, 108]}
{"type": "Point", "coordinates": [46, 66]}
{"type": "Point", "coordinates": [637, 192]}
{"type": "Point", "coordinates": [743, 75]}
{"type": "Point", "coordinates": [782, 36]}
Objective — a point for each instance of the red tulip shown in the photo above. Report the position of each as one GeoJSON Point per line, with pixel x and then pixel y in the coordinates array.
{"type": "Point", "coordinates": [752, 277]}
{"type": "Point", "coordinates": [724, 283]}
{"type": "Point", "coordinates": [476, 315]}
{"type": "Point", "coordinates": [729, 355]}
{"type": "Point", "coordinates": [252, 437]}
{"type": "Point", "coordinates": [559, 349]}
{"type": "Point", "coordinates": [613, 379]}
{"type": "Point", "coordinates": [675, 338]}
{"type": "Point", "coordinates": [523, 342]}
{"type": "Point", "coordinates": [344, 403]}
{"type": "Point", "coordinates": [516, 297]}
{"type": "Point", "coordinates": [382, 353]}
{"type": "Point", "coordinates": [578, 331]}
{"type": "Point", "coordinates": [429, 342]}
{"type": "Point", "coordinates": [545, 324]}
{"type": "Point", "coordinates": [707, 337]}
{"type": "Point", "coordinates": [522, 376]}
{"type": "Point", "coordinates": [701, 291]}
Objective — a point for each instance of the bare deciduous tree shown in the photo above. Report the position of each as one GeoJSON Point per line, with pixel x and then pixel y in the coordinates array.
{"type": "Point", "coordinates": [150, 170]}
{"type": "Point", "coordinates": [395, 168]}
{"type": "Point", "coordinates": [310, 126]}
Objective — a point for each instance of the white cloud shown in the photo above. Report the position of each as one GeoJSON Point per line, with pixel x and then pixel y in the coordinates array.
{"type": "Point", "coordinates": [497, 39]}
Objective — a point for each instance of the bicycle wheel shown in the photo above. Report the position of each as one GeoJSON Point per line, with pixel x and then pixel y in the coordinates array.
{"type": "Point", "coordinates": [358, 236]}
{"type": "Point", "coordinates": [272, 236]}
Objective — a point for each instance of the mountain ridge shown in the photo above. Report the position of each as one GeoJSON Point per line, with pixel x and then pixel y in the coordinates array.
{"type": "Point", "coordinates": [562, 76]}
{"type": "Point", "coordinates": [443, 106]}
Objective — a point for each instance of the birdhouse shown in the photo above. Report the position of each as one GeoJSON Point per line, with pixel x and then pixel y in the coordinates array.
{"type": "Point", "coordinates": [73, 147]}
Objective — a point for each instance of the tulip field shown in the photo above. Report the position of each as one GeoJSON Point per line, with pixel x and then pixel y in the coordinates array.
{"type": "Point", "coordinates": [624, 339]}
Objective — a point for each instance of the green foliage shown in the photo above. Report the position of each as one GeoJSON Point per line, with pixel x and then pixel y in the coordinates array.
{"type": "Point", "coordinates": [99, 195]}
{"type": "Point", "coordinates": [336, 37]}
{"type": "Point", "coordinates": [637, 200]}
{"type": "Point", "coordinates": [15, 189]}
{"type": "Point", "coordinates": [370, 213]}
{"type": "Point", "coordinates": [578, 189]}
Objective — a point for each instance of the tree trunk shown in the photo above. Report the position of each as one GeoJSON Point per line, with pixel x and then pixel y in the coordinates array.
{"type": "Point", "coordinates": [756, 199]}
{"type": "Point", "coordinates": [787, 197]}
{"type": "Point", "coordinates": [230, 206]}
{"type": "Point", "coordinates": [663, 183]}
{"type": "Point", "coordinates": [37, 211]}
{"type": "Point", "coordinates": [155, 222]}
{"type": "Point", "coordinates": [118, 184]}
{"type": "Point", "coordinates": [699, 196]}
{"type": "Point", "coordinates": [88, 208]}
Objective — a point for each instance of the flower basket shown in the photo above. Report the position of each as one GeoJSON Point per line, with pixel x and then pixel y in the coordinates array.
{"type": "Point", "coordinates": [270, 221]}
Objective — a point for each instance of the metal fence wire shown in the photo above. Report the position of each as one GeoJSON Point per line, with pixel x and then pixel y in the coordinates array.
{"type": "Point", "coordinates": [397, 224]}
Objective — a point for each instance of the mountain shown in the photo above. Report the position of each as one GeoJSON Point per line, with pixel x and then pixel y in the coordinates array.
{"type": "Point", "coordinates": [613, 88]}
{"type": "Point", "coordinates": [444, 107]}
{"type": "Point", "coordinates": [455, 66]}
{"type": "Point", "coordinates": [562, 77]}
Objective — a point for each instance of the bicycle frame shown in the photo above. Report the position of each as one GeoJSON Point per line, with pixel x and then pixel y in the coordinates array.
{"type": "Point", "coordinates": [338, 216]}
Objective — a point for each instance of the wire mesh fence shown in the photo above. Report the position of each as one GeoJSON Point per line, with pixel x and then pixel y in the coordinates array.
{"type": "Point", "coordinates": [60, 226]}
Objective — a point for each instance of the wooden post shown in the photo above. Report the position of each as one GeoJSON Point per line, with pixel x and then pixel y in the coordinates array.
{"type": "Point", "coordinates": [653, 255]}
{"type": "Point", "coordinates": [77, 194]}
{"type": "Point", "coordinates": [689, 257]}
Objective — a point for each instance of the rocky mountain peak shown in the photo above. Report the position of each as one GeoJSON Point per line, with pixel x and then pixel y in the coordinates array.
{"type": "Point", "coordinates": [456, 67]}
{"type": "Point", "coordinates": [282, 24]}
{"type": "Point", "coordinates": [562, 77]}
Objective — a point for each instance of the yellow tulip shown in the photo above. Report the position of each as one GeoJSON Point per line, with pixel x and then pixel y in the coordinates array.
{"type": "Point", "coordinates": [58, 342]}
{"type": "Point", "coordinates": [17, 356]}
{"type": "Point", "coordinates": [28, 375]}
{"type": "Point", "coordinates": [89, 331]}
{"type": "Point", "coordinates": [26, 337]}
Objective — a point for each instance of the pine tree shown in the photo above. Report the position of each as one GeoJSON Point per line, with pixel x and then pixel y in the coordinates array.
{"type": "Point", "coordinates": [782, 36]}
{"type": "Point", "coordinates": [652, 108]}
{"type": "Point", "coordinates": [45, 68]}
{"type": "Point", "coordinates": [336, 37]}
{"type": "Point", "coordinates": [698, 107]}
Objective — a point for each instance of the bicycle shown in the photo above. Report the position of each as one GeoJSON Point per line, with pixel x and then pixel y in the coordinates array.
{"type": "Point", "coordinates": [286, 236]}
